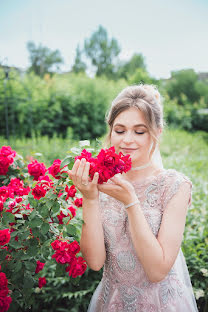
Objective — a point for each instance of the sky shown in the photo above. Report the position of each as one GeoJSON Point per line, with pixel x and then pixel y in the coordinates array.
{"type": "Point", "coordinates": [171, 34]}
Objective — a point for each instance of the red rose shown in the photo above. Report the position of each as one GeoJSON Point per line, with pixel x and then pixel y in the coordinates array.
{"type": "Point", "coordinates": [61, 216]}
{"type": "Point", "coordinates": [54, 170]}
{"type": "Point", "coordinates": [36, 169]}
{"type": "Point", "coordinates": [74, 248]}
{"type": "Point", "coordinates": [5, 303]}
{"type": "Point", "coordinates": [63, 257]}
{"type": "Point", "coordinates": [39, 266]}
{"type": "Point", "coordinates": [4, 237]}
{"type": "Point", "coordinates": [70, 191]}
{"type": "Point", "coordinates": [4, 165]}
{"type": "Point", "coordinates": [78, 202]}
{"type": "Point", "coordinates": [45, 182]}
{"type": "Point", "coordinates": [3, 283]}
{"type": "Point", "coordinates": [73, 211]}
{"type": "Point", "coordinates": [77, 267]}
{"type": "Point", "coordinates": [7, 151]}
{"type": "Point", "coordinates": [38, 191]}
{"type": "Point", "coordinates": [41, 282]}
{"type": "Point", "coordinates": [1, 206]}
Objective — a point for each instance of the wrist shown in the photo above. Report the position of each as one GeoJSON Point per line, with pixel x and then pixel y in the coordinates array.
{"type": "Point", "coordinates": [136, 202]}
{"type": "Point", "coordinates": [90, 200]}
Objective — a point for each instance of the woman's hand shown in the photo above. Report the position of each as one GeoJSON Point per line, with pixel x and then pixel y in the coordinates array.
{"type": "Point", "coordinates": [80, 178]}
{"type": "Point", "coordinates": [120, 189]}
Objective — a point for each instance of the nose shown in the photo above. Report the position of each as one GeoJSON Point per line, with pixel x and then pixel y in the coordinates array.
{"type": "Point", "coordinates": [128, 137]}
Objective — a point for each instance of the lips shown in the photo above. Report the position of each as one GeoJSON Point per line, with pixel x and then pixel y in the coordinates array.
{"type": "Point", "coordinates": [129, 150]}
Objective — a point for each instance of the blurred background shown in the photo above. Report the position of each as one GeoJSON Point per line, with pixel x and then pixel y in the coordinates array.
{"type": "Point", "coordinates": [62, 62]}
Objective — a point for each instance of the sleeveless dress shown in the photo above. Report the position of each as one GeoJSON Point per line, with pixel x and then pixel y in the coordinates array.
{"type": "Point", "coordinates": [125, 286]}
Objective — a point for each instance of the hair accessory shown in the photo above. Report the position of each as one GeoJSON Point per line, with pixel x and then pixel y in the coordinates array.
{"type": "Point", "coordinates": [141, 167]}
{"type": "Point", "coordinates": [132, 204]}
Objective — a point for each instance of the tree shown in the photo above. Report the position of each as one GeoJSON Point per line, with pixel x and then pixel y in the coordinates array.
{"type": "Point", "coordinates": [79, 66]}
{"type": "Point", "coordinates": [129, 68]}
{"type": "Point", "coordinates": [42, 59]}
{"type": "Point", "coordinates": [183, 82]}
{"type": "Point", "coordinates": [102, 52]}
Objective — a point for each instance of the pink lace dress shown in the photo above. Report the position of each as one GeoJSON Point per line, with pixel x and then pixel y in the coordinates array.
{"type": "Point", "coordinates": [124, 285]}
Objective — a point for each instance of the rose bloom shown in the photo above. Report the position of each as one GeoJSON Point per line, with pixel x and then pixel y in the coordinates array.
{"type": "Point", "coordinates": [39, 266]}
{"type": "Point", "coordinates": [74, 248]}
{"type": "Point", "coordinates": [73, 211]}
{"type": "Point", "coordinates": [4, 237]}
{"type": "Point", "coordinates": [4, 165]}
{"type": "Point", "coordinates": [63, 256]}
{"type": "Point", "coordinates": [3, 284]}
{"type": "Point", "coordinates": [7, 151]}
{"type": "Point", "coordinates": [78, 202]}
{"type": "Point", "coordinates": [77, 267]}
{"type": "Point", "coordinates": [41, 282]}
{"type": "Point", "coordinates": [54, 170]}
{"type": "Point", "coordinates": [36, 169]}
{"type": "Point", "coordinates": [38, 192]}
{"type": "Point", "coordinates": [5, 303]}
{"type": "Point", "coordinates": [70, 191]}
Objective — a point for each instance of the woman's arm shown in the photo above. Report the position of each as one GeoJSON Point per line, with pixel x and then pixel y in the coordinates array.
{"type": "Point", "coordinates": [157, 255]}
{"type": "Point", "coordinates": [92, 238]}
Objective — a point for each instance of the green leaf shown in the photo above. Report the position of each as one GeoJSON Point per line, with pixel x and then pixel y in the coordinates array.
{"type": "Point", "coordinates": [56, 207]}
{"type": "Point", "coordinates": [8, 217]}
{"type": "Point", "coordinates": [17, 266]}
{"type": "Point", "coordinates": [44, 211]}
{"type": "Point", "coordinates": [71, 229]}
{"type": "Point", "coordinates": [66, 161]}
{"type": "Point", "coordinates": [28, 281]}
{"type": "Point", "coordinates": [36, 221]}
{"type": "Point", "coordinates": [45, 228]}
{"type": "Point", "coordinates": [32, 251]}
{"type": "Point", "coordinates": [30, 265]}
{"type": "Point", "coordinates": [15, 244]}
{"type": "Point", "coordinates": [60, 270]}
{"type": "Point", "coordinates": [50, 203]}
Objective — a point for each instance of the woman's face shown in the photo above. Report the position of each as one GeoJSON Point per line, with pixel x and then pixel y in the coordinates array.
{"type": "Point", "coordinates": [130, 136]}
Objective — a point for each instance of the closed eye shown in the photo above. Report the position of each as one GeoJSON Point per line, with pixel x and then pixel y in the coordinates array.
{"type": "Point", "coordinates": [120, 132]}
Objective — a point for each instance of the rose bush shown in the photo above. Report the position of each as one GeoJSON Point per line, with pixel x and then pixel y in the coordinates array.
{"type": "Point", "coordinates": [41, 219]}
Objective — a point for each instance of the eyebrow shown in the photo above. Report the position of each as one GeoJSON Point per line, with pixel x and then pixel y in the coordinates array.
{"type": "Point", "coordinates": [138, 125]}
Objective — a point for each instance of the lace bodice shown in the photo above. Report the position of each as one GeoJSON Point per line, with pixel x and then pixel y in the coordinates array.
{"type": "Point", "coordinates": [125, 285]}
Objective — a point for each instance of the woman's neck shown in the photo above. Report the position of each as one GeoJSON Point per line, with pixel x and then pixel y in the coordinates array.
{"type": "Point", "coordinates": [142, 173]}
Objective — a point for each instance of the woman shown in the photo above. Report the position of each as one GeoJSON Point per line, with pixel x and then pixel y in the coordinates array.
{"type": "Point", "coordinates": [134, 223]}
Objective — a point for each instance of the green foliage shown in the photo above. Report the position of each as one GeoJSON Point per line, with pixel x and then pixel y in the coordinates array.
{"type": "Point", "coordinates": [185, 82]}
{"type": "Point", "coordinates": [128, 68]}
{"type": "Point", "coordinates": [42, 59]}
{"type": "Point", "coordinates": [102, 52]}
{"type": "Point", "coordinates": [79, 66]}
{"type": "Point", "coordinates": [141, 76]}
{"type": "Point", "coordinates": [54, 105]}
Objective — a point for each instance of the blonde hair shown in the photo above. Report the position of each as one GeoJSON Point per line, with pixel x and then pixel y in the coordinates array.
{"type": "Point", "coordinates": [144, 97]}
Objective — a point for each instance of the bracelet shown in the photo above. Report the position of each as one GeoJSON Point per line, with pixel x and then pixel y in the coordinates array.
{"type": "Point", "coordinates": [132, 204]}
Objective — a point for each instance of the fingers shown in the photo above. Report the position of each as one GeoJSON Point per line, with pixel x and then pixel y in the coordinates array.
{"type": "Point", "coordinates": [85, 174]}
{"type": "Point", "coordinates": [95, 178]}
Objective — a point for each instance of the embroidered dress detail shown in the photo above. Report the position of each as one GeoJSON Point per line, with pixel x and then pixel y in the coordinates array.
{"type": "Point", "coordinates": [125, 286]}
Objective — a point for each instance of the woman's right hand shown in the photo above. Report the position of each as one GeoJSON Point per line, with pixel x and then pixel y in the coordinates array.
{"type": "Point", "coordinates": [79, 174]}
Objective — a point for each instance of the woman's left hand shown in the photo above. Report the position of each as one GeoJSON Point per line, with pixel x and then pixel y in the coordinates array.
{"type": "Point", "coordinates": [120, 189]}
